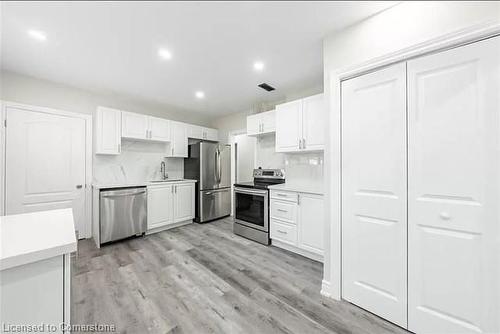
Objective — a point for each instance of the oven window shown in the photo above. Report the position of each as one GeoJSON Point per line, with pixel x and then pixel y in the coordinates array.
{"type": "Point", "coordinates": [250, 208]}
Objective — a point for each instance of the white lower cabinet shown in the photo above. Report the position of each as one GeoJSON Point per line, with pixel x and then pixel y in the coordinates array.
{"type": "Point", "coordinates": [183, 202]}
{"type": "Point", "coordinates": [160, 206]}
{"type": "Point", "coordinates": [297, 222]}
{"type": "Point", "coordinates": [170, 204]}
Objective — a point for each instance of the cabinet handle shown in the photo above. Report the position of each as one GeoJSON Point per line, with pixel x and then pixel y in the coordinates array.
{"type": "Point", "coordinates": [119, 148]}
{"type": "Point", "coordinates": [281, 210]}
{"type": "Point", "coordinates": [172, 151]}
{"type": "Point", "coordinates": [282, 232]}
{"type": "Point", "coordinates": [303, 143]}
{"type": "Point", "coordinates": [79, 186]}
{"type": "Point", "coordinates": [298, 199]}
{"type": "Point", "coordinates": [282, 195]}
{"type": "Point", "coordinates": [300, 144]}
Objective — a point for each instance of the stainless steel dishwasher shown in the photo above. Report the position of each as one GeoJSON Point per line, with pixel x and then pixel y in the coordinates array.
{"type": "Point", "coordinates": [123, 213]}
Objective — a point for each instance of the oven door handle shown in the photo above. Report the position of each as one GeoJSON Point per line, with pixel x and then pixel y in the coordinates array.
{"type": "Point", "coordinates": [252, 192]}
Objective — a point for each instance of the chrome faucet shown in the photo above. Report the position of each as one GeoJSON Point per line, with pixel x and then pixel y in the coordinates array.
{"type": "Point", "coordinates": [163, 171]}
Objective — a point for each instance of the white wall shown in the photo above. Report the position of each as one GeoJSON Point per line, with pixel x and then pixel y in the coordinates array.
{"type": "Point", "coordinates": [397, 28]}
{"type": "Point", "coordinates": [23, 89]}
{"type": "Point", "coordinates": [138, 161]}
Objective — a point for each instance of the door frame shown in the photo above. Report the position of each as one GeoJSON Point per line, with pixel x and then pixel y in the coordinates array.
{"type": "Point", "coordinates": [88, 155]}
{"type": "Point", "coordinates": [230, 139]}
{"type": "Point", "coordinates": [332, 280]}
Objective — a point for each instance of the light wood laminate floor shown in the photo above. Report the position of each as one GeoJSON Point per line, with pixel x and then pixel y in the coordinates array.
{"type": "Point", "coordinates": [204, 279]}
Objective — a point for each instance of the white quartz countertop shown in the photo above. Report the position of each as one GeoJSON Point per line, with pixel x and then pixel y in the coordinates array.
{"type": "Point", "coordinates": [36, 236]}
{"type": "Point", "coordinates": [138, 184]}
{"type": "Point", "coordinates": [298, 187]}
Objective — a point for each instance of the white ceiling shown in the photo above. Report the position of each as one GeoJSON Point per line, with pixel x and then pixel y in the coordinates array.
{"type": "Point", "coordinates": [113, 47]}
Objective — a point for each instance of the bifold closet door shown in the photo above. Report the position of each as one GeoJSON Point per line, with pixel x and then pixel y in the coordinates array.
{"type": "Point", "coordinates": [374, 192]}
{"type": "Point", "coordinates": [453, 190]}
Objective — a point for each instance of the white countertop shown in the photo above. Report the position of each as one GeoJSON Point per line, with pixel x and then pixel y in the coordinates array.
{"type": "Point", "coordinates": [139, 184]}
{"type": "Point", "coordinates": [298, 187]}
{"type": "Point", "coordinates": [31, 237]}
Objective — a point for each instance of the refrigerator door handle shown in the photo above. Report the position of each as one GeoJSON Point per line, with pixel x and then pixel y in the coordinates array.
{"type": "Point", "coordinates": [219, 174]}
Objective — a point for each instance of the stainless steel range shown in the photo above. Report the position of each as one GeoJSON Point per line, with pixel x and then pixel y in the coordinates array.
{"type": "Point", "coordinates": [251, 204]}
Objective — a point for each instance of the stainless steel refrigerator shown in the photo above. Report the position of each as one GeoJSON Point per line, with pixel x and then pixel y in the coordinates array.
{"type": "Point", "coordinates": [210, 165]}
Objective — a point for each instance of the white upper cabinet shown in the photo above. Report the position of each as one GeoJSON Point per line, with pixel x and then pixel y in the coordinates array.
{"type": "Point", "coordinates": [107, 131]}
{"type": "Point", "coordinates": [261, 123]}
{"type": "Point", "coordinates": [300, 125]}
{"type": "Point", "coordinates": [135, 126]}
{"type": "Point", "coordinates": [313, 123]}
{"type": "Point", "coordinates": [178, 147]}
{"type": "Point", "coordinates": [289, 126]}
{"type": "Point", "coordinates": [211, 134]}
{"type": "Point", "coordinates": [159, 129]}
{"type": "Point", "coordinates": [200, 132]}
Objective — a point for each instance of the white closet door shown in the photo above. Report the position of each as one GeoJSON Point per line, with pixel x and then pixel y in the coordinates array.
{"type": "Point", "coordinates": [453, 190]}
{"type": "Point", "coordinates": [374, 192]}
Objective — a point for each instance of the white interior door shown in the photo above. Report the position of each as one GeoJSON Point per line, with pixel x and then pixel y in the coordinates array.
{"type": "Point", "coordinates": [374, 222]}
{"type": "Point", "coordinates": [453, 210]}
{"type": "Point", "coordinates": [45, 163]}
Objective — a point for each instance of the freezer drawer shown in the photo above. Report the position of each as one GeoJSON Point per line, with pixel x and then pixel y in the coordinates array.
{"type": "Point", "coordinates": [123, 213]}
{"type": "Point", "coordinates": [214, 204]}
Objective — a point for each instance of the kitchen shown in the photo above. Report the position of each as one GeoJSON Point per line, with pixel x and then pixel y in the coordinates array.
{"type": "Point", "coordinates": [197, 167]}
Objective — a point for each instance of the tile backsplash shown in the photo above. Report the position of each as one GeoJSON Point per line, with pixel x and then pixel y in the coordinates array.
{"type": "Point", "coordinates": [138, 162]}
{"type": "Point", "coordinates": [299, 167]}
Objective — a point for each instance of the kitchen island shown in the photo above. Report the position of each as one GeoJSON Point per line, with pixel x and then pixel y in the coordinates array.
{"type": "Point", "coordinates": [35, 269]}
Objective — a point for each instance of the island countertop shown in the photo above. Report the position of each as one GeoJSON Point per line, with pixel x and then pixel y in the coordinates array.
{"type": "Point", "coordinates": [30, 237]}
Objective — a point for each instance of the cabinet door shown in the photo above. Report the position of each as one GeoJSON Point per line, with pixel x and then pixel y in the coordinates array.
{"type": "Point", "coordinates": [183, 202]}
{"type": "Point", "coordinates": [311, 223]}
{"type": "Point", "coordinates": [134, 126]}
{"type": "Point", "coordinates": [268, 120]}
{"type": "Point", "coordinates": [107, 131]}
{"type": "Point", "coordinates": [211, 134]}
{"type": "Point", "coordinates": [160, 206]}
{"type": "Point", "coordinates": [253, 124]}
{"type": "Point", "coordinates": [314, 123]}
{"type": "Point", "coordinates": [179, 141]}
{"type": "Point", "coordinates": [195, 131]}
{"type": "Point", "coordinates": [288, 126]}
{"type": "Point", "coordinates": [374, 224]}
{"type": "Point", "coordinates": [159, 129]}
{"type": "Point", "coordinates": [453, 180]}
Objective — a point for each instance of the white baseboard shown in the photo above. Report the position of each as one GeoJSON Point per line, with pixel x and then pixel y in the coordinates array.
{"type": "Point", "coordinates": [325, 289]}
{"type": "Point", "coordinates": [297, 250]}
{"type": "Point", "coordinates": [168, 227]}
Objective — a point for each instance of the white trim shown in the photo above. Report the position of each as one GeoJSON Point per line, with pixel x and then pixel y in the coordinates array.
{"type": "Point", "coordinates": [297, 250]}
{"type": "Point", "coordinates": [168, 227]}
{"type": "Point", "coordinates": [2, 158]}
{"type": "Point", "coordinates": [325, 289]}
{"type": "Point", "coordinates": [333, 152]}
{"type": "Point", "coordinates": [88, 155]}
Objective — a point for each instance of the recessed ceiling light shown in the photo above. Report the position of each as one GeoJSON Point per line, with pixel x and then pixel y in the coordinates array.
{"type": "Point", "coordinates": [164, 53]}
{"type": "Point", "coordinates": [258, 66]}
{"type": "Point", "coordinates": [199, 94]}
{"type": "Point", "coordinates": [37, 34]}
